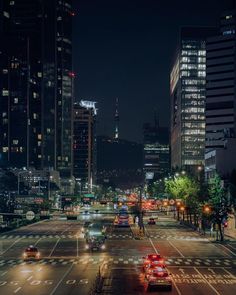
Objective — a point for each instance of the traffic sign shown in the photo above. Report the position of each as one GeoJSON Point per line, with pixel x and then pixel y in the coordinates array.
{"type": "Point", "coordinates": [30, 215]}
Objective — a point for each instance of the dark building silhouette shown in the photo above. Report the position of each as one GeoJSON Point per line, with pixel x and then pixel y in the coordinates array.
{"type": "Point", "coordinates": [84, 143]}
{"type": "Point", "coordinates": [220, 83]}
{"type": "Point", "coordinates": [156, 151]}
{"type": "Point", "coordinates": [36, 84]}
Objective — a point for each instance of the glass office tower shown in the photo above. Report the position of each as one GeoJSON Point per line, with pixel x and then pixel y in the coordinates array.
{"type": "Point", "coordinates": [188, 94]}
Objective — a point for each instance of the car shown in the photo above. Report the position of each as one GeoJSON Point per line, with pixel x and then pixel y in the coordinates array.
{"type": "Point", "coordinates": [31, 252]}
{"type": "Point", "coordinates": [153, 259]}
{"type": "Point", "coordinates": [151, 221]}
{"type": "Point", "coordinates": [159, 277]}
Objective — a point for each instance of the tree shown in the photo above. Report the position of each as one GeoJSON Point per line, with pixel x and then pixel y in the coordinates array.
{"type": "Point", "coordinates": [219, 203]}
{"type": "Point", "coordinates": [187, 189]}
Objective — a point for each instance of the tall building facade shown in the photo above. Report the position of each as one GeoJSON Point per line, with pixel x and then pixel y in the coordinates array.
{"type": "Point", "coordinates": [188, 94]}
{"type": "Point", "coordinates": [84, 143]}
{"type": "Point", "coordinates": [36, 88]}
{"type": "Point", "coordinates": [220, 84]}
{"type": "Point", "coordinates": [156, 153]}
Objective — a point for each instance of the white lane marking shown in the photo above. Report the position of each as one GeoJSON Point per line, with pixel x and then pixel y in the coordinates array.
{"type": "Point", "coordinates": [35, 244]}
{"type": "Point", "coordinates": [54, 247]}
{"type": "Point", "coordinates": [16, 241]}
{"type": "Point", "coordinates": [3, 273]}
{"type": "Point", "coordinates": [77, 247]}
{"type": "Point", "coordinates": [177, 289]}
{"type": "Point", "coordinates": [206, 281]}
{"type": "Point", "coordinates": [176, 249]}
{"type": "Point", "coordinates": [29, 278]}
{"type": "Point", "coordinates": [18, 289]}
{"type": "Point", "coordinates": [228, 250]}
{"type": "Point", "coordinates": [63, 277]}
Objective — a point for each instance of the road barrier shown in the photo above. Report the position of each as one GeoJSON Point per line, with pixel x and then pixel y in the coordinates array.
{"type": "Point", "coordinates": [98, 282]}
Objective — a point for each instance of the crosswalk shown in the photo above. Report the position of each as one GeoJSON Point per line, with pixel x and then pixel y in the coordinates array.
{"type": "Point", "coordinates": [70, 236]}
{"type": "Point", "coordinates": [132, 260]}
{"type": "Point", "coordinates": [109, 236]}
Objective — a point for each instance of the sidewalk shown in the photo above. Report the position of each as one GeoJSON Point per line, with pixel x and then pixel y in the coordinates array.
{"type": "Point", "coordinates": [207, 234]}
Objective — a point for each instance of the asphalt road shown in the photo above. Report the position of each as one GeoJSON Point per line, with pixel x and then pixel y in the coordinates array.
{"type": "Point", "coordinates": [198, 265]}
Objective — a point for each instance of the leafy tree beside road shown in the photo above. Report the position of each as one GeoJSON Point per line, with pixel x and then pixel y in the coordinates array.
{"type": "Point", "coordinates": [219, 203]}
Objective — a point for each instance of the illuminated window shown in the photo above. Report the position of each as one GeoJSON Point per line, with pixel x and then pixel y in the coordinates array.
{"type": "Point", "coordinates": [39, 143]}
{"type": "Point", "coordinates": [6, 14]}
{"type": "Point", "coordinates": [39, 156]}
{"type": "Point", "coordinates": [5, 92]}
{"type": "Point", "coordinates": [201, 74]}
{"type": "Point", "coordinates": [4, 114]}
{"type": "Point", "coordinates": [202, 52]}
{"type": "Point", "coordinates": [39, 74]}
{"type": "Point", "coordinates": [228, 16]}
{"type": "Point", "coordinates": [4, 149]}
{"type": "Point", "coordinates": [16, 100]}
{"type": "Point", "coordinates": [15, 141]}
{"type": "Point", "coordinates": [5, 71]}
{"type": "Point", "coordinates": [35, 116]}
{"type": "Point", "coordinates": [12, 2]}
{"type": "Point", "coordinates": [39, 136]}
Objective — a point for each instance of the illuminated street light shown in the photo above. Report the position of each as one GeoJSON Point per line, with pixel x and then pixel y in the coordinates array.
{"type": "Point", "coordinates": [176, 174]}
{"type": "Point", "coordinates": [182, 208]}
{"type": "Point", "coordinates": [183, 172]}
{"type": "Point", "coordinates": [206, 209]}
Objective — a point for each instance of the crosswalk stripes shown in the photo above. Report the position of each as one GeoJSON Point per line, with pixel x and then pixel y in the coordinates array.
{"type": "Point", "coordinates": [120, 260]}
{"type": "Point", "coordinates": [58, 236]}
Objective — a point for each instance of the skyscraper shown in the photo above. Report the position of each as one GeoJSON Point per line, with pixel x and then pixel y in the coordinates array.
{"type": "Point", "coordinates": [187, 90]}
{"type": "Point", "coordinates": [36, 92]}
{"type": "Point", "coordinates": [156, 153]}
{"type": "Point", "coordinates": [84, 142]}
{"type": "Point", "coordinates": [220, 84]}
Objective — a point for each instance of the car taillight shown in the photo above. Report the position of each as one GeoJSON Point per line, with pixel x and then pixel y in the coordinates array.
{"type": "Point", "coordinates": [161, 261]}
{"type": "Point", "coordinates": [147, 261]}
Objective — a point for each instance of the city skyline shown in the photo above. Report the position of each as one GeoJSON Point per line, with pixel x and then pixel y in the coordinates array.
{"type": "Point", "coordinates": [131, 59]}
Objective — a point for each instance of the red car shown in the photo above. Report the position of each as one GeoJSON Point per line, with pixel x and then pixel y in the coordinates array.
{"type": "Point", "coordinates": [153, 260]}
{"type": "Point", "coordinates": [158, 277]}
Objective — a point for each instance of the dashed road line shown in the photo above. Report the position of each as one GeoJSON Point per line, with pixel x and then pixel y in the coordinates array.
{"type": "Point", "coordinates": [176, 249]}
{"type": "Point", "coordinates": [54, 247]}
{"type": "Point", "coordinates": [63, 277]}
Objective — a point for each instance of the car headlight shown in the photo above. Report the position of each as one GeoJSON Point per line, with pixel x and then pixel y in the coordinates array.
{"type": "Point", "coordinates": [24, 254]}
{"type": "Point", "coordinates": [86, 246]}
{"type": "Point", "coordinates": [103, 247]}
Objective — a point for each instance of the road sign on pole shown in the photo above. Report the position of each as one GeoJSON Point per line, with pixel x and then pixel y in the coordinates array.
{"type": "Point", "coordinates": [30, 215]}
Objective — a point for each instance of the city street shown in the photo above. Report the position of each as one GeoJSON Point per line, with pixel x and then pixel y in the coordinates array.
{"type": "Point", "coordinates": [197, 265]}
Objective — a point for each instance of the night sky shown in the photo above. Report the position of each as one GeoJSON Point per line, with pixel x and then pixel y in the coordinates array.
{"type": "Point", "coordinates": [124, 49]}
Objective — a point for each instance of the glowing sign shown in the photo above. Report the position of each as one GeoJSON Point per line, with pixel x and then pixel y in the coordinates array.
{"type": "Point", "coordinates": [89, 105]}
